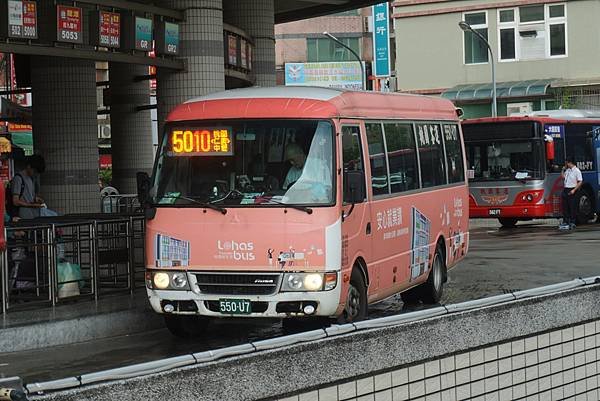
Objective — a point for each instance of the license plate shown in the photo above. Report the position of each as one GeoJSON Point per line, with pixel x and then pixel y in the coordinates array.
{"type": "Point", "coordinates": [235, 306]}
{"type": "Point", "coordinates": [494, 212]}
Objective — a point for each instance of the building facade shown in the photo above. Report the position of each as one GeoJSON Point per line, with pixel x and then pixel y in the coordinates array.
{"type": "Point", "coordinates": [545, 53]}
{"type": "Point", "coordinates": [304, 41]}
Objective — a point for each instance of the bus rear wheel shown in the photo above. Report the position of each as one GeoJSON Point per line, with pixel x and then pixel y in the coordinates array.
{"type": "Point", "coordinates": [507, 222]}
{"type": "Point", "coordinates": [186, 326]}
{"type": "Point", "coordinates": [585, 210]}
{"type": "Point", "coordinates": [356, 300]}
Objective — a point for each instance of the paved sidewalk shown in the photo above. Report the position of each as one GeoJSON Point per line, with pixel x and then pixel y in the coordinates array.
{"type": "Point", "coordinates": [70, 323]}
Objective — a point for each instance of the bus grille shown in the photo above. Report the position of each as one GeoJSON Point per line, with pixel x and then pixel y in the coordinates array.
{"type": "Point", "coordinates": [238, 283]}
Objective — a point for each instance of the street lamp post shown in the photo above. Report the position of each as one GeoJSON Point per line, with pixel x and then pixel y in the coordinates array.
{"type": "Point", "coordinates": [467, 28]}
{"type": "Point", "coordinates": [362, 68]}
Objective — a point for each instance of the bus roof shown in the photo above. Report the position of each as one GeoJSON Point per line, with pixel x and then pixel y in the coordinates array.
{"type": "Point", "coordinates": [312, 102]}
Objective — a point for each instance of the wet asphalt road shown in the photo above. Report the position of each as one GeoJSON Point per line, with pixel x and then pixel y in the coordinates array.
{"type": "Point", "coordinates": [530, 255]}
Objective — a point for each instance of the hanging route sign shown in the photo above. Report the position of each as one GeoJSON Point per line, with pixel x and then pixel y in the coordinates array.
{"type": "Point", "coordinates": [22, 19]}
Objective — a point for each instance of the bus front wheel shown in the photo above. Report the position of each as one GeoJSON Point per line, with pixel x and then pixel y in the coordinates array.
{"type": "Point", "coordinates": [186, 326]}
{"type": "Point", "coordinates": [585, 211]}
{"type": "Point", "coordinates": [507, 222]}
{"type": "Point", "coordinates": [356, 300]}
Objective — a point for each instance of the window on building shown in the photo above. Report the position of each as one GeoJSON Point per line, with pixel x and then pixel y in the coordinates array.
{"type": "Point", "coordinates": [532, 32]}
{"type": "Point", "coordinates": [325, 49]}
{"type": "Point", "coordinates": [557, 25]}
{"type": "Point", "coordinates": [507, 29]}
{"type": "Point", "coordinates": [348, 13]}
{"type": "Point", "coordinates": [531, 13]}
{"type": "Point", "coordinates": [379, 168]}
{"type": "Point", "coordinates": [402, 157]}
{"type": "Point", "coordinates": [475, 49]}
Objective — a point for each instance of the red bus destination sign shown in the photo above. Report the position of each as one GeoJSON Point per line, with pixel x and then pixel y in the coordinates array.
{"type": "Point", "coordinates": [105, 29]}
{"type": "Point", "coordinates": [22, 19]}
{"type": "Point", "coordinates": [69, 27]}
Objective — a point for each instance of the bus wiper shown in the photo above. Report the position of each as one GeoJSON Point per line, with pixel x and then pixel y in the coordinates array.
{"type": "Point", "coordinates": [206, 205]}
{"type": "Point", "coordinates": [297, 207]}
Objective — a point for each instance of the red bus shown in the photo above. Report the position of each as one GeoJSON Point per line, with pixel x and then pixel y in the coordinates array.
{"type": "Point", "coordinates": [516, 164]}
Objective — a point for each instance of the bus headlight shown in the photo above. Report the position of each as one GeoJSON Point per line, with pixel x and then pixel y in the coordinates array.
{"type": "Point", "coordinates": [313, 282]}
{"type": "Point", "coordinates": [161, 280]}
{"type": "Point", "coordinates": [309, 281]}
{"type": "Point", "coordinates": [167, 280]}
{"type": "Point", "coordinates": [179, 280]}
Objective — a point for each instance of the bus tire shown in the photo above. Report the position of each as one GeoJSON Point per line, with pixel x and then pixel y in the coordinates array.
{"type": "Point", "coordinates": [585, 209]}
{"type": "Point", "coordinates": [507, 222]}
{"type": "Point", "coordinates": [356, 300]}
{"type": "Point", "coordinates": [186, 326]}
{"type": "Point", "coordinates": [432, 290]}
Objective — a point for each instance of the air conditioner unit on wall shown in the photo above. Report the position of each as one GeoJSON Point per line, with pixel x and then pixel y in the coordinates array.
{"type": "Point", "coordinates": [513, 109]}
{"type": "Point", "coordinates": [104, 131]}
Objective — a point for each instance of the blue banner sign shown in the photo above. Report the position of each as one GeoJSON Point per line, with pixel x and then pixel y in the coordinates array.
{"type": "Point", "coordinates": [171, 38]}
{"type": "Point", "coordinates": [143, 34]}
{"type": "Point", "coordinates": [381, 40]}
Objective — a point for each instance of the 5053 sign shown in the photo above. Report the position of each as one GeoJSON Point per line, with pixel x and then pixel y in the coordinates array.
{"type": "Point", "coordinates": [68, 24]}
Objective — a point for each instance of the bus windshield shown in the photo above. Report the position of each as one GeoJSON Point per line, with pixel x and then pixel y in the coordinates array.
{"type": "Point", "coordinates": [246, 163]}
{"type": "Point", "coordinates": [494, 160]}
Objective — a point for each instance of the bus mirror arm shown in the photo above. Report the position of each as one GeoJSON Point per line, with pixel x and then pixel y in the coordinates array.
{"type": "Point", "coordinates": [354, 189]}
{"type": "Point", "coordinates": [143, 188]}
{"type": "Point", "coordinates": [346, 215]}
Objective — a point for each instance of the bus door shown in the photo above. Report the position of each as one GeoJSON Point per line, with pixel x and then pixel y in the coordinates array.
{"type": "Point", "coordinates": [553, 184]}
{"type": "Point", "coordinates": [355, 226]}
{"type": "Point", "coordinates": [596, 142]}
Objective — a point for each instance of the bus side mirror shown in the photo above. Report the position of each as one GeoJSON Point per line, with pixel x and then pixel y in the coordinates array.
{"type": "Point", "coordinates": [143, 187]}
{"type": "Point", "coordinates": [354, 187]}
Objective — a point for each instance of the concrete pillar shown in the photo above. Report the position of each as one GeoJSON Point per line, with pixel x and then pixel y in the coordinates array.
{"type": "Point", "coordinates": [257, 18]}
{"type": "Point", "coordinates": [65, 132]}
{"type": "Point", "coordinates": [201, 39]}
{"type": "Point", "coordinates": [131, 130]}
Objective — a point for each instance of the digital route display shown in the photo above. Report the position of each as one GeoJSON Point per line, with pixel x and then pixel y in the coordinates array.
{"type": "Point", "coordinates": [216, 141]}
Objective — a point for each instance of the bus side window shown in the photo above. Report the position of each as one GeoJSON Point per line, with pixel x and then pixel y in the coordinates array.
{"type": "Point", "coordinates": [454, 154]}
{"type": "Point", "coordinates": [379, 168]}
{"type": "Point", "coordinates": [351, 149]}
{"type": "Point", "coordinates": [402, 157]}
{"type": "Point", "coordinates": [431, 154]}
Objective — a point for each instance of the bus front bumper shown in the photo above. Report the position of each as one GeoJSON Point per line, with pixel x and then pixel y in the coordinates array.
{"type": "Point", "coordinates": [279, 305]}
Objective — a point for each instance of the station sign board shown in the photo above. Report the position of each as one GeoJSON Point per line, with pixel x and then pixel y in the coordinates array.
{"type": "Point", "coordinates": [338, 74]}
{"type": "Point", "coordinates": [143, 34]}
{"type": "Point", "coordinates": [232, 50]}
{"type": "Point", "coordinates": [105, 29]}
{"type": "Point", "coordinates": [69, 24]}
{"type": "Point", "coordinates": [243, 54]}
{"type": "Point", "coordinates": [167, 38]}
{"type": "Point", "coordinates": [22, 19]}
{"type": "Point", "coordinates": [381, 40]}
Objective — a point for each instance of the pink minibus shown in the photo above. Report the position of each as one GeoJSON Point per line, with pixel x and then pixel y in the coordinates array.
{"type": "Point", "coordinates": [300, 203]}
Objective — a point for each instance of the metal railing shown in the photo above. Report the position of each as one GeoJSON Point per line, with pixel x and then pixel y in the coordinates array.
{"type": "Point", "coordinates": [122, 203]}
{"type": "Point", "coordinates": [71, 258]}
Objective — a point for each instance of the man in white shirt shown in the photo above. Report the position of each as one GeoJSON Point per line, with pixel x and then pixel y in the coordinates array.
{"type": "Point", "coordinates": [573, 180]}
{"type": "Point", "coordinates": [296, 157]}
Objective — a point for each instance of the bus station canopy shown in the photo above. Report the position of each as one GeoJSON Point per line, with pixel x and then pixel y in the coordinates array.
{"type": "Point", "coordinates": [504, 90]}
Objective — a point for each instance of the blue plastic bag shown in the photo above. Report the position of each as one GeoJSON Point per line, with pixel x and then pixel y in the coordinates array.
{"type": "Point", "coordinates": [69, 272]}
